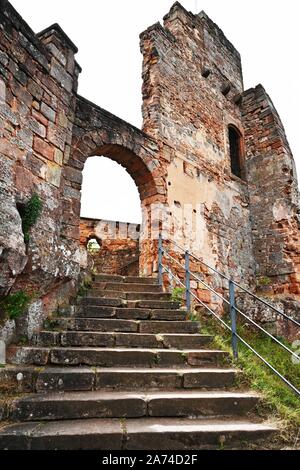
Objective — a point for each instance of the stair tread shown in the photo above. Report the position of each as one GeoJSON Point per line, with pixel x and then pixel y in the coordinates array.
{"type": "Point", "coordinates": [145, 395]}
{"type": "Point", "coordinates": [185, 335]}
{"type": "Point", "coordinates": [152, 425]}
{"type": "Point", "coordinates": [86, 369]}
{"type": "Point", "coordinates": [120, 349]}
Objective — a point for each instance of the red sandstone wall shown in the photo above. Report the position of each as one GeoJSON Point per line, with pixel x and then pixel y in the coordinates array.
{"type": "Point", "coordinates": [192, 91]}
{"type": "Point", "coordinates": [119, 246]}
{"type": "Point", "coordinates": [189, 114]}
{"type": "Point", "coordinates": [274, 198]}
{"type": "Point", "coordinates": [38, 77]}
{"type": "Point", "coordinates": [38, 80]}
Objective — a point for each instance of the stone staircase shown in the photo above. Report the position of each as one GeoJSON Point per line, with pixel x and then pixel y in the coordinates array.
{"type": "Point", "coordinates": [125, 369]}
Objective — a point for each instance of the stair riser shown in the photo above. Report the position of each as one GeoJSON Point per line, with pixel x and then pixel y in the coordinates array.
{"type": "Point", "coordinates": [131, 340]}
{"type": "Point", "coordinates": [125, 280]}
{"type": "Point", "coordinates": [129, 313]}
{"type": "Point", "coordinates": [116, 440]}
{"type": "Point", "coordinates": [154, 304]}
{"type": "Point", "coordinates": [129, 408]}
{"type": "Point", "coordinates": [119, 302]}
{"type": "Point", "coordinates": [101, 301]}
{"type": "Point", "coordinates": [88, 379]}
{"type": "Point", "coordinates": [195, 440]}
{"type": "Point", "coordinates": [164, 380]}
{"type": "Point", "coordinates": [107, 325]}
{"type": "Point", "coordinates": [126, 287]}
{"type": "Point", "coordinates": [153, 296]}
{"type": "Point", "coordinates": [101, 441]}
{"type": "Point", "coordinates": [140, 280]}
{"type": "Point", "coordinates": [113, 358]}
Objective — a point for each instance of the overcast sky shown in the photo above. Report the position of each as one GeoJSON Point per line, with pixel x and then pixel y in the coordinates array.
{"type": "Point", "coordinates": [106, 32]}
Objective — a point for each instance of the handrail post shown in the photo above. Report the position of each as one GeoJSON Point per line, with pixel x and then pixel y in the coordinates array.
{"type": "Point", "coordinates": [234, 340]}
{"type": "Point", "coordinates": [187, 281]}
{"type": "Point", "coordinates": [160, 256]}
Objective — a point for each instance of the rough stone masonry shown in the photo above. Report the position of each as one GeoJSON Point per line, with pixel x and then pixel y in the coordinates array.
{"type": "Point", "coordinates": [212, 160]}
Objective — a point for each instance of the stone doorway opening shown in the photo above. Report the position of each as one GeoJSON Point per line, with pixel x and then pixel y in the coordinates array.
{"type": "Point", "coordinates": [110, 217]}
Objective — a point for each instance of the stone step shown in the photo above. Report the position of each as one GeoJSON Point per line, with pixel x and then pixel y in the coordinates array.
{"type": "Point", "coordinates": [113, 357]}
{"type": "Point", "coordinates": [127, 287]}
{"type": "Point", "coordinates": [135, 434]}
{"type": "Point", "coordinates": [101, 301]}
{"type": "Point", "coordinates": [22, 378]}
{"type": "Point", "coordinates": [111, 339]}
{"type": "Point", "coordinates": [126, 279]}
{"type": "Point", "coordinates": [129, 313]}
{"type": "Point", "coordinates": [154, 304]}
{"type": "Point", "coordinates": [164, 378]}
{"type": "Point", "coordinates": [135, 326]}
{"type": "Point", "coordinates": [140, 280]}
{"type": "Point", "coordinates": [101, 404]}
{"type": "Point", "coordinates": [93, 293]}
{"type": "Point", "coordinates": [109, 278]}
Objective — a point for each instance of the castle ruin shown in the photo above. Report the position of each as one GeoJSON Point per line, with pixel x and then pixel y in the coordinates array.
{"type": "Point", "coordinates": [212, 163]}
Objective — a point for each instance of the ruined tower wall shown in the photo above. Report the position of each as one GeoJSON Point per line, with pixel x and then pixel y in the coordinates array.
{"type": "Point", "coordinates": [274, 199]}
{"type": "Point", "coordinates": [46, 134]}
{"type": "Point", "coordinates": [187, 65]}
{"type": "Point", "coordinates": [180, 161]}
{"type": "Point", "coordinates": [38, 79]}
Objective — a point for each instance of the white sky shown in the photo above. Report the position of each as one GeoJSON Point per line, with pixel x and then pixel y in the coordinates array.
{"type": "Point", "coordinates": [106, 32]}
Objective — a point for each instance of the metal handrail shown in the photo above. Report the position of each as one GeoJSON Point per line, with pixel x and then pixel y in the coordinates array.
{"type": "Point", "coordinates": [236, 308]}
{"type": "Point", "coordinates": [210, 288]}
{"type": "Point", "coordinates": [275, 309]}
{"type": "Point", "coordinates": [233, 309]}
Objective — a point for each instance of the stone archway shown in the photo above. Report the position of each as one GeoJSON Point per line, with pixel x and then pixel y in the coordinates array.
{"type": "Point", "coordinates": [99, 133]}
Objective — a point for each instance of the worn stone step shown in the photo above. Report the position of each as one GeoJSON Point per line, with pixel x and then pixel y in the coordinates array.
{"type": "Point", "coordinates": [166, 340]}
{"type": "Point", "coordinates": [134, 434]}
{"type": "Point", "coordinates": [140, 280]}
{"type": "Point", "coordinates": [141, 326]}
{"type": "Point", "coordinates": [184, 433]}
{"type": "Point", "coordinates": [164, 378]}
{"type": "Point", "coordinates": [111, 339]}
{"type": "Point", "coordinates": [109, 278]}
{"type": "Point", "coordinates": [101, 301]}
{"type": "Point", "coordinates": [90, 434]}
{"type": "Point", "coordinates": [24, 378]}
{"type": "Point", "coordinates": [110, 294]}
{"type": "Point", "coordinates": [112, 357]}
{"type": "Point", "coordinates": [101, 404]}
{"type": "Point", "coordinates": [97, 324]}
{"type": "Point", "coordinates": [126, 279]}
{"type": "Point", "coordinates": [154, 304]}
{"type": "Point", "coordinates": [127, 287]}
{"type": "Point", "coordinates": [152, 326]}
{"type": "Point", "coordinates": [129, 313]}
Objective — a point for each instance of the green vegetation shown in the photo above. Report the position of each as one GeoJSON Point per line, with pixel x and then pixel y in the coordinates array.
{"type": "Point", "coordinates": [84, 286]}
{"type": "Point", "coordinates": [177, 294]}
{"type": "Point", "coordinates": [93, 247]}
{"type": "Point", "coordinates": [13, 305]}
{"type": "Point", "coordinates": [279, 400]}
{"type": "Point", "coordinates": [193, 316]}
{"type": "Point", "coordinates": [52, 322]}
{"type": "Point", "coordinates": [263, 281]}
{"type": "Point", "coordinates": [30, 214]}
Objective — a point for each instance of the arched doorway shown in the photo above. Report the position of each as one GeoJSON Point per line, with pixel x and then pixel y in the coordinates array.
{"type": "Point", "coordinates": [135, 152]}
{"type": "Point", "coordinates": [110, 219]}
{"type": "Point", "coordinates": [108, 192]}
{"type": "Point", "coordinates": [97, 132]}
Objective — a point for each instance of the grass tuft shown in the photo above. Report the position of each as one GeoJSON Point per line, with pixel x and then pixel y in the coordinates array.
{"type": "Point", "coordinates": [279, 401]}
